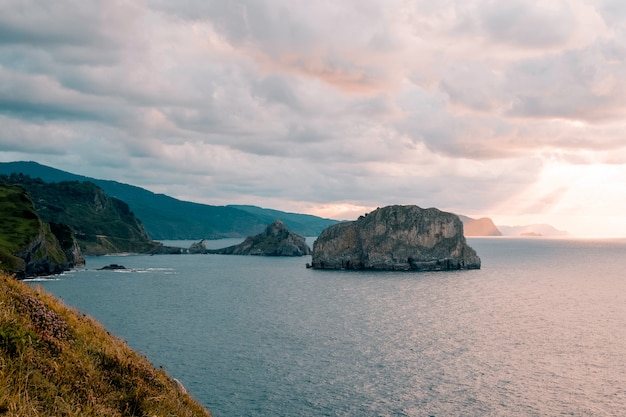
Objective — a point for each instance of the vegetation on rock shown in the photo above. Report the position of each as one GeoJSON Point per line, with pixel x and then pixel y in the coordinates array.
{"type": "Point", "coordinates": [57, 362]}
{"type": "Point", "coordinates": [28, 245]}
{"type": "Point", "coordinates": [165, 217]}
{"type": "Point", "coordinates": [101, 224]}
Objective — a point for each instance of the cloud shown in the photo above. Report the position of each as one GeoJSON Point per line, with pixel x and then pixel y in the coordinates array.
{"type": "Point", "coordinates": [583, 84]}
{"type": "Point", "coordinates": [460, 105]}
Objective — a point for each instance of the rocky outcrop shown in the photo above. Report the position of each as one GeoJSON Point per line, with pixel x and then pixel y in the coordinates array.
{"type": "Point", "coordinates": [198, 247]}
{"type": "Point", "coordinates": [276, 240]}
{"type": "Point", "coordinates": [111, 267]}
{"type": "Point", "coordinates": [102, 224]}
{"type": "Point", "coordinates": [29, 246]}
{"type": "Point", "coordinates": [42, 256]}
{"type": "Point", "coordinates": [479, 227]}
{"type": "Point", "coordinates": [68, 244]}
{"type": "Point", "coordinates": [396, 238]}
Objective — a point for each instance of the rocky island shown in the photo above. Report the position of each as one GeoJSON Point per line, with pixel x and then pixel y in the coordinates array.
{"type": "Point", "coordinates": [396, 238]}
{"type": "Point", "coordinates": [276, 240]}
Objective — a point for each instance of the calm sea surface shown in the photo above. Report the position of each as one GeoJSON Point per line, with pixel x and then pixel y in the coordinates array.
{"type": "Point", "coordinates": [540, 330]}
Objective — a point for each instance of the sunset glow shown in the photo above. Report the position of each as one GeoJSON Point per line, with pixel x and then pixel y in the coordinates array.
{"type": "Point", "coordinates": [512, 110]}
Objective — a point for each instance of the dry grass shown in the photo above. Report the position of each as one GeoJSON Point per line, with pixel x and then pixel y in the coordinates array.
{"type": "Point", "coordinates": [57, 362]}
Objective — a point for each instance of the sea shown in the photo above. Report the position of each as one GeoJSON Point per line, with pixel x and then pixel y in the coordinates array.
{"type": "Point", "coordinates": [539, 330]}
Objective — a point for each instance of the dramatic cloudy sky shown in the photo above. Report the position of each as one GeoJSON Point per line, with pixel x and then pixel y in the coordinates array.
{"type": "Point", "coordinates": [510, 109]}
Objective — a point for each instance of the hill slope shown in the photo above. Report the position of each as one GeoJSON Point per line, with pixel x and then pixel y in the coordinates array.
{"type": "Point", "coordinates": [165, 217]}
{"type": "Point", "coordinates": [479, 227]}
{"type": "Point", "coordinates": [29, 246]}
{"type": "Point", "coordinates": [100, 223]}
{"type": "Point", "coordinates": [57, 362]}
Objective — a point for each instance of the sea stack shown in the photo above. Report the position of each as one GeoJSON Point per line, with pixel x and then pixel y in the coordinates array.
{"type": "Point", "coordinates": [276, 240]}
{"type": "Point", "coordinates": [396, 238]}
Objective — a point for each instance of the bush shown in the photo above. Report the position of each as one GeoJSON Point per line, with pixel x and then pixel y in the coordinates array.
{"type": "Point", "coordinates": [14, 339]}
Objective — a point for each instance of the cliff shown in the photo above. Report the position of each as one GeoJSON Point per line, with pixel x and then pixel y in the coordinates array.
{"type": "Point", "coordinates": [29, 246]}
{"type": "Point", "coordinates": [165, 217]}
{"type": "Point", "coordinates": [100, 223]}
{"type": "Point", "coordinates": [479, 227]}
{"type": "Point", "coordinates": [396, 238]}
{"type": "Point", "coordinates": [276, 240]}
{"type": "Point", "coordinates": [58, 362]}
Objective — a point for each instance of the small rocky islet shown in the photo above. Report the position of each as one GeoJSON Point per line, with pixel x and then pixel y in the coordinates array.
{"type": "Point", "coordinates": [275, 240]}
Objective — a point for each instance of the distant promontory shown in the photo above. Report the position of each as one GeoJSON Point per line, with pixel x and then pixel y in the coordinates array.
{"type": "Point", "coordinates": [396, 238]}
{"type": "Point", "coordinates": [479, 227]}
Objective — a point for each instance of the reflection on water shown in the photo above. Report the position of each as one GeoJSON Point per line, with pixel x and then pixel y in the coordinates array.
{"type": "Point", "coordinates": [539, 330]}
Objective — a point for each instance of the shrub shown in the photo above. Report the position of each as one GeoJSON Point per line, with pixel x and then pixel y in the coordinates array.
{"type": "Point", "coordinates": [14, 339]}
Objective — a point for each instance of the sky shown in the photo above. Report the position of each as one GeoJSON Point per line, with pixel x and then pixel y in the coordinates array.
{"type": "Point", "coordinates": [512, 109]}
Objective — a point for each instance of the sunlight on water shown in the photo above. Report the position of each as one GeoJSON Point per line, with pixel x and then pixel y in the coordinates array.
{"type": "Point", "coordinates": [539, 330]}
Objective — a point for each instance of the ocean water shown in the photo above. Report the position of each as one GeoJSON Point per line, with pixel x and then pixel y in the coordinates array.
{"type": "Point", "coordinates": [540, 330]}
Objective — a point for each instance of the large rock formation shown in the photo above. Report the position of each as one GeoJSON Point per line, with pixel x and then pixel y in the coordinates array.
{"type": "Point", "coordinates": [396, 238]}
{"type": "Point", "coordinates": [101, 224]}
{"type": "Point", "coordinates": [276, 240]}
{"type": "Point", "coordinates": [29, 246]}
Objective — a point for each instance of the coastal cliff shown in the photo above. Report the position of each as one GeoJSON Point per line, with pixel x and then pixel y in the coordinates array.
{"type": "Point", "coordinates": [396, 238]}
{"type": "Point", "coordinates": [275, 240]}
{"type": "Point", "coordinates": [29, 246]}
{"type": "Point", "coordinates": [100, 223]}
{"type": "Point", "coordinates": [479, 227]}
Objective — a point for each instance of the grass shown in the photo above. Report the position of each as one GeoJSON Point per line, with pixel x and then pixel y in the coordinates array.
{"type": "Point", "coordinates": [19, 225]}
{"type": "Point", "coordinates": [55, 361]}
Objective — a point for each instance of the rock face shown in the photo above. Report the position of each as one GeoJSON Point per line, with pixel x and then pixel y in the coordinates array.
{"type": "Point", "coordinates": [479, 227]}
{"type": "Point", "coordinates": [396, 238]}
{"type": "Point", "coordinates": [276, 240]}
{"type": "Point", "coordinates": [29, 246]}
{"type": "Point", "coordinates": [100, 223]}
{"type": "Point", "coordinates": [68, 243]}
{"type": "Point", "coordinates": [198, 247]}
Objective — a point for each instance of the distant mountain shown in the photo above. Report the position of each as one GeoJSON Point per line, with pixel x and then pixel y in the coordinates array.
{"type": "Point", "coordinates": [164, 217]}
{"type": "Point", "coordinates": [302, 224]}
{"type": "Point", "coordinates": [479, 227]}
{"type": "Point", "coordinates": [532, 230]}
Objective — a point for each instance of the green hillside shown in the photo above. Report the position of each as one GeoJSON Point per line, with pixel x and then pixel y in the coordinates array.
{"type": "Point", "coordinates": [302, 224]}
{"type": "Point", "coordinates": [27, 245]}
{"type": "Point", "coordinates": [100, 223]}
{"type": "Point", "coordinates": [164, 217]}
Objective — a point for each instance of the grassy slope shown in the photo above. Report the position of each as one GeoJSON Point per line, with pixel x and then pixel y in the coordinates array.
{"type": "Point", "coordinates": [18, 225]}
{"type": "Point", "coordinates": [57, 362]}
